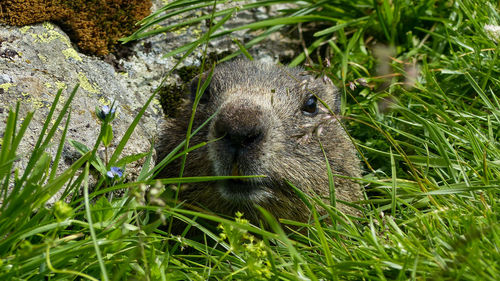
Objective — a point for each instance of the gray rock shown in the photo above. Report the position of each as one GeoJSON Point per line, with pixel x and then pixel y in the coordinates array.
{"type": "Point", "coordinates": [43, 61]}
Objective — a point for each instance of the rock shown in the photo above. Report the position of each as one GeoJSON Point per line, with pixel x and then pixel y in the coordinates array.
{"type": "Point", "coordinates": [37, 60]}
{"type": "Point", "coordinates": [42, 61]}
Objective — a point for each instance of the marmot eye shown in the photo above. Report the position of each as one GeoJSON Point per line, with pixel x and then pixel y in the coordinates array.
{"type": "Point", "coordinates": [310, 107]}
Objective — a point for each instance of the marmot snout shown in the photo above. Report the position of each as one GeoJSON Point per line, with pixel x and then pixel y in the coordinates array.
{"type": "Point", "coordinates": [268, 122]}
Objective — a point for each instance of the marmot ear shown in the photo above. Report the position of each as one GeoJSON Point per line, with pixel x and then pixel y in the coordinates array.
{"type": "Point", "coordinates": [337, 100]}
{"type": "Point", "coordinates": [198, 81]}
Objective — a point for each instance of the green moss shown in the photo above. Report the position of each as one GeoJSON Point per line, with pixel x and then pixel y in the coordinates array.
{"type": "Point", "coordinates": [170, 98]}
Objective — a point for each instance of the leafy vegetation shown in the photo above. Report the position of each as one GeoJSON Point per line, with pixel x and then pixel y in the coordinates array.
{"type": "Point", "coordinates": [420, 86]}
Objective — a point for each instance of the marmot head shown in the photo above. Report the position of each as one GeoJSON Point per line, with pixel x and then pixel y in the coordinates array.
{"type": "Point", "coordinates": [268, 120]}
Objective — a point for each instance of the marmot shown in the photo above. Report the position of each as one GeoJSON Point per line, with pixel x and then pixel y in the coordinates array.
{"type": "Point", "coordinates": [268, 120]}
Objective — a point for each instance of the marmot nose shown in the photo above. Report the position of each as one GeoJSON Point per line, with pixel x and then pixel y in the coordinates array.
{"type": "Point", "coordinates": [240, 125]}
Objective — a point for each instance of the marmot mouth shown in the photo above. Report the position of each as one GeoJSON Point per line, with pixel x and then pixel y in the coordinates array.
{"type": "Point", "coordinates": [243, 191]}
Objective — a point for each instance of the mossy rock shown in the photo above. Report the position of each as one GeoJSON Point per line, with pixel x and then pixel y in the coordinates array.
{"type": "Point", "coordinates": [94, 25]}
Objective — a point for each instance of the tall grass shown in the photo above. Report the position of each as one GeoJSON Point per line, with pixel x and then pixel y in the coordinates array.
{"type": "Point", "coordinates": [420, 94]}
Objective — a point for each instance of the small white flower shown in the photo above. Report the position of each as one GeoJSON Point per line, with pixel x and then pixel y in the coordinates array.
{"type": "Point", "coordinates": [493, 32]}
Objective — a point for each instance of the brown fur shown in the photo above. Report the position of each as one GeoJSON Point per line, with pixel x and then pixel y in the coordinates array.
{"type": "Point", "coordinates": [263, 130]}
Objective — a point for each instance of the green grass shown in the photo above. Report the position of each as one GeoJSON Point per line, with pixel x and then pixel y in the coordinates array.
{"type": "Point", "coordinates": [430, 145]}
